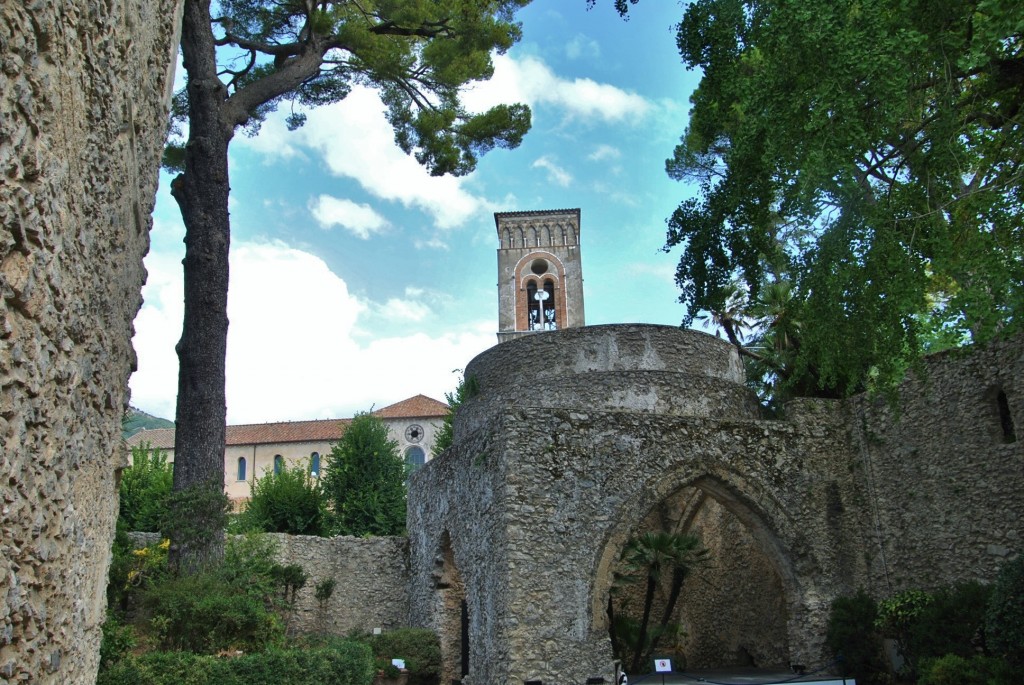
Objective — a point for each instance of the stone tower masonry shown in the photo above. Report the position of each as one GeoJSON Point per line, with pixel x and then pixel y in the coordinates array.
{"type": "Point", "coordinates": [540, 277]}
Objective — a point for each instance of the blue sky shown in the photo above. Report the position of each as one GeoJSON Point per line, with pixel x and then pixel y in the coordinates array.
{"type": "Point", "coordinates": [359, 280]}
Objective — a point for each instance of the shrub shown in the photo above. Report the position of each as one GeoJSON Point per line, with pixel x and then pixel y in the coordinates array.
{"type": "Point", "coordinates": [290, 501]}
{"type": "Point", "coordinates": [228, 606]}
{"type": "Point", "coordinates": [419, 647]}
{"type": "Point", "coordinates": [896, 619]}
{"type": "Point", "coordinates": [132, 569]}
{"type": "Point", "coordinates": [205, 614]}
{"type": "Point", "coordinates": [145, 489]}
{"type": "Point", "coordinates": [952, 623]}
{"type": "Point", "coordinates": [340, 663]}
{"type": "Point", "coordinates": [365, 480]}
{"type": "Point", "coordinates": [953, 669]}
{"type": "Point", "coordinates": [853, 639]}
{"type": "Point", "coordinates": [1004, 618]}
{"type": "Point", "coordinates": [117, 640]}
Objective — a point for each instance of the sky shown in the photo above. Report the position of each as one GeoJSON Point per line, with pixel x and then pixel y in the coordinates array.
{"type": "Point", "coordinates": [358, 280]}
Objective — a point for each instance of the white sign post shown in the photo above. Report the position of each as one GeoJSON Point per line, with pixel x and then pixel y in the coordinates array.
{"type": "Point", "coordinates": [663, 666]}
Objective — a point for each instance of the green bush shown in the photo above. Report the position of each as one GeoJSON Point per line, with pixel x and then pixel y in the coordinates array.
{"type": "Point", "coordinates": [230, 606]}
{"type": "Point", "coordinates": [951, 623]}
{"type": "Point", "coordinates": [852, 638]}
{"type": "Point", "coordinates": [1004, 619]}
{"type": "Point", "coordinates": [341, 663]}
{"type": "Point", "coordinates": [953, 669]}
{"type": "Point", "coordinates": [117, 640]}
{"type": "Point", "coordinates": [897, 617]}
{"type": "Point", "coordinates": [290, 501]}
{"type": "Point", "coordinates": [419, 647]}
{"type": "Point", "coordinates": [203, 613]}
{"type": "Point", "coordinates": [145, 490]}
{"type": "Point", "coordinates": [132, 570]}
{"type": "Point", "coordinates": [365, 480]}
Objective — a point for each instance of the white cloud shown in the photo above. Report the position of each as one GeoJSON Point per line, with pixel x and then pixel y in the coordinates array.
{"type": "Point", "coordinates": [433, 243]}
{"type": "Point", "coordinates": [360, 220]}
{"type": "Point", "coordinates": [556, 174]}
{"type": "Point", "coordinates": [356, 141]}
{"type": "Point", "coordinates": [582, 46]}
{"type": "Point", "coordinates": [399, 310]}
{"type": "Point", "coordinates": [294, 349]}
{"type": "Point", "coordinates": [603, 152]}
{"type": "Point", "coordinates": [531, 81]}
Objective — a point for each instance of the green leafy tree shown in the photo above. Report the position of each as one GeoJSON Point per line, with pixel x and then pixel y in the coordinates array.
{"type": "Point", "coordinates": [897, 617]}
{"type": "Point", "coordinates": [661, 560]}
{"type": "Point", "coordinates": [446, 434]}
{"type": "Point", "coordinates": [241, 63]}
{"type": "Point", "coordinates": [289, 501]}
{"type": "Point", "coordinates": [868, 156]}
{"type": "Point", "coordinates": [365, 480]}
{"type": "Point", "coordinates": [145, 490]}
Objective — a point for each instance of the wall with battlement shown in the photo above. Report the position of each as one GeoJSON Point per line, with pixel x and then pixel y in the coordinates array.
{"type": "Point", "coordinates": [83, 110]}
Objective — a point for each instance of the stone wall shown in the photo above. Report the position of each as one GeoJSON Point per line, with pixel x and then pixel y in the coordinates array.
{"type": "Point", "coordinates": [83, 109]}
{"type": "Point", "coordinates": [939, 479]}
{"type": "Point", "coordinates": [371, 580]}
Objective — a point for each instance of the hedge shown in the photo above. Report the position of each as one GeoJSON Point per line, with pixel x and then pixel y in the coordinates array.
{"type": "Point", "coordinates": [344, 663]}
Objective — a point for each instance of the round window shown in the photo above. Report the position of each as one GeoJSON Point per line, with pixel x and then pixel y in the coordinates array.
{"type": "Point", "coordinates": [539, 266]}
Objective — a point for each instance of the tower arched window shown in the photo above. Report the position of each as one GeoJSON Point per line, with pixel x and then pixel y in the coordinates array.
{"type": "Point", "coordinates": [549, 323]}
{"type": "Point", "coordinates": [241, 468]}
{"type": "Point", "coordinates": [314, 464]}
{"type": "Point", "coordinates": [532, 306]}
{"type": "Point", "coordinates": [278, 464]}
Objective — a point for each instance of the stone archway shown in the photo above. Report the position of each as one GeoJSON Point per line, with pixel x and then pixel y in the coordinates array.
{"type": "Point", "coordinates": [734, 610]}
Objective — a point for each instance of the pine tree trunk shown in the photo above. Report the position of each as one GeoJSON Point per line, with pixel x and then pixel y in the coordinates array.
{"type": "Point", "coordinates": [202, 194]}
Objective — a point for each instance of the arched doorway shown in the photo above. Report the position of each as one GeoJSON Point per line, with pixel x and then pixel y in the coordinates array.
{"type": "Point", "coordinates": [733, 609]}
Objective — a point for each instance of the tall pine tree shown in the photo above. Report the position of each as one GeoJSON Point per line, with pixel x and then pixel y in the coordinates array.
{"type": "Point", "coordinates": [241, 63]}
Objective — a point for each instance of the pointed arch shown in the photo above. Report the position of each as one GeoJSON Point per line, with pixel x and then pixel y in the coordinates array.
{"type": "Point", "coordinates": [761, 523]}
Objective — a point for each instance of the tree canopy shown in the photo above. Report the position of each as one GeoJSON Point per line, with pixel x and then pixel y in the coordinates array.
{"type": "Point", "coordinates": [365, 480]}
{"type": "Point", "coordinates": [241, 64]}
{"type": "Point", "coordinates": [858, 175]}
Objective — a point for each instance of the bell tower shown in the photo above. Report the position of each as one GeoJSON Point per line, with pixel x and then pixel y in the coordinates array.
{"type": "Point", "coordinates": [540, 276]}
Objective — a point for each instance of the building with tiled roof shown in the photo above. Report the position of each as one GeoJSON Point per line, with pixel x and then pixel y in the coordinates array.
{"type": "Point", "coordinates": [253, 449]}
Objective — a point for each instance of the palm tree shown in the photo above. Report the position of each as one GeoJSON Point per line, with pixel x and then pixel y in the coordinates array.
{"type": "Point", "coordinates": [652, 555]}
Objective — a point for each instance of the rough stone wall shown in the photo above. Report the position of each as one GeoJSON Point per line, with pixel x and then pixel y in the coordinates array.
{"type": "Point", "coordinates": [371, 576]}
{"type": "Point", "coordinates": [565, 486]}
{"type": "Point", "coordinates": [83, 98]}
{"type": "Point", "coordinates": [577, 436]}
{"type": "Point", "coordinates": [942, 487]}
{"type": "Point", "coordinates": [734, 608]}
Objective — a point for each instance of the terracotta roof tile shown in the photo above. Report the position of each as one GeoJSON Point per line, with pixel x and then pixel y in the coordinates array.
{"type": "Point", "coordinates": [417, 407]}
{"type": "Point", "coordinates": [325, 430]}
{"type": "Point", "coordinates": [162, 438]}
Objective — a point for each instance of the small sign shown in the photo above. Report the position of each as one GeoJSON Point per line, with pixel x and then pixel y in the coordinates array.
{"type": "Point", "coordinates": [662, 665]}
{"type": "Point", "coordinates": [398, 663]}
